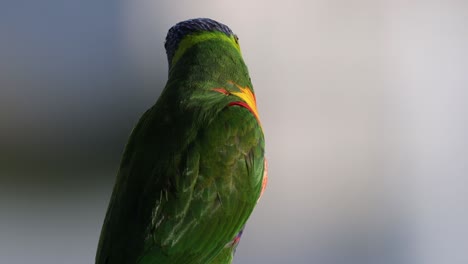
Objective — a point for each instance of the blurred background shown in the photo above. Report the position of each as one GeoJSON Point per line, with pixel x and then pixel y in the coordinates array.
{"type": "Point", "coordinates": [363, 104]}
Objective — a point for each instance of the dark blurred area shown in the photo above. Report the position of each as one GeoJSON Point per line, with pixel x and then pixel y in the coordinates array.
{"type": "Point", "coordinates": [69, 97]}
{"type": "Point", "coordinates": [69, 92]}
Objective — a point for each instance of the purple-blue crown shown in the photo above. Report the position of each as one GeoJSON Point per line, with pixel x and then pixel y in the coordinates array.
{"type": "Point", "coordinates": [181, 29]}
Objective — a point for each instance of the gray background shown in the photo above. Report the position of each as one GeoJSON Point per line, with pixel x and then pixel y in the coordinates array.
{"type": "Point", "coordinates": [363, 104]}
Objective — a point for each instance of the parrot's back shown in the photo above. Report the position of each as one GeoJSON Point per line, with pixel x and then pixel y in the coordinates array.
{"type": "Point", "coordinates": [194, 166]}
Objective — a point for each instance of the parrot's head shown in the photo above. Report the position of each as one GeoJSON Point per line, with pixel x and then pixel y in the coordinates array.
{"type": "Point", "coordinates": [237, 88]}
{"type": "Point", "coordinates": [187, 33]}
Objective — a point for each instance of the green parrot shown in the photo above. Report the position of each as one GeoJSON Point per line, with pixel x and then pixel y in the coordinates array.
{"type": "Point", "coordinates": [194, 167]}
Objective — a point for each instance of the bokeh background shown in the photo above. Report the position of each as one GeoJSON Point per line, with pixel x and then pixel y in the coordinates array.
{"type": "Point", "coordinates": [363, 104]}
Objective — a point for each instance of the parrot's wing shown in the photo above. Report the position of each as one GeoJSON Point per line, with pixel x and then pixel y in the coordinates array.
{"type": "Point", "coordinates": [117, 242]}
{"type": "Point", "coordinates": [182, 201]}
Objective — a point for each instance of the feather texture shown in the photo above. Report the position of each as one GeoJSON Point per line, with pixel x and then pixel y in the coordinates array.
{"type": "Point", "coordinates": [192, 170]}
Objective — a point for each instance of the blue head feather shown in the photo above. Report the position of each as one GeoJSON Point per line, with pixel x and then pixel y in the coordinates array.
{"type": "Point", "coordinates": [187, 27]}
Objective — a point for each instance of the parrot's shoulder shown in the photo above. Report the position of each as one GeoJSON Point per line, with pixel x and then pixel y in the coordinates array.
{"type": "Point", "coordinates": [181, 177]}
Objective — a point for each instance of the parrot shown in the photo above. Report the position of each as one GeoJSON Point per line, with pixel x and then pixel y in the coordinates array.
{"type": "Point", "coordinates": [194, 166]}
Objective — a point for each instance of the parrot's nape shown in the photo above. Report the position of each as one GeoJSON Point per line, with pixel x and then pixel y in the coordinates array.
{"type": "Point", "coordinates": [194, 167]}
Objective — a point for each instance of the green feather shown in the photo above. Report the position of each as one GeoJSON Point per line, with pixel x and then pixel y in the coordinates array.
{"type": "Point", "coordinates": [192, 170]}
